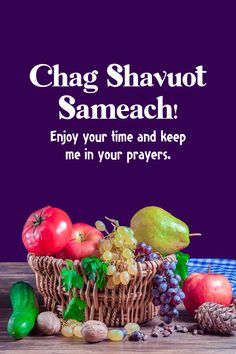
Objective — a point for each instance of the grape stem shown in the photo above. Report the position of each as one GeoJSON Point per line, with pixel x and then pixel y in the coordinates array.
{"type": "Point", "coordinates": [115, 223]}
{"type": "Point", "coordinates": [106, 232]}
{"type": "Point", "coordinates": [195, 234]}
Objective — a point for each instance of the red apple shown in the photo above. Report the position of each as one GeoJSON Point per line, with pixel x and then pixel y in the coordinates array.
{"type": "Point", "coordinates": [83, 243]}
{"type": "Point", "coordinates": [203, 287]}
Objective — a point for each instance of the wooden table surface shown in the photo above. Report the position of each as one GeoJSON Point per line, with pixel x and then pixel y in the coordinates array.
{"type": "Point", "coordinates": [175, 343]}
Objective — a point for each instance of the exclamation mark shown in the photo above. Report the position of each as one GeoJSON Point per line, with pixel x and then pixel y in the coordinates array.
{"type": "Point", "coordinates": [175, 109]}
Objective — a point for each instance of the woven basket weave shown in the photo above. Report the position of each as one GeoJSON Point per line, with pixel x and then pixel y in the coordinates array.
{"type": "Point", "coordinates": [125, 303]}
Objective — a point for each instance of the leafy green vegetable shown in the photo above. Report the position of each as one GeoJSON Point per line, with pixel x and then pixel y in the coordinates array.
{"type": "Point", "coordinates": [75, 310]}
{"type": "Point", "coordinates": [181, 267]}
{"type": "Point", "coordinates": [72, 280]}
{"type": "Point", "coordinates": [96, 270]}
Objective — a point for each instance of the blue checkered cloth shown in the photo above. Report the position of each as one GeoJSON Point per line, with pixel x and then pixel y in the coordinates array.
{"type": "Point", "coordinates": [224, 266]}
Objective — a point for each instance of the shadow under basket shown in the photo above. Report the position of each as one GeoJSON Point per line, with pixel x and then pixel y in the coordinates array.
{"type": "Point", "coordinates": [116, 307]}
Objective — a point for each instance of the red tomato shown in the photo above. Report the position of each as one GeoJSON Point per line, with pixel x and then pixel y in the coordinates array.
{"type": "Point", "coordinates": [47, 231]}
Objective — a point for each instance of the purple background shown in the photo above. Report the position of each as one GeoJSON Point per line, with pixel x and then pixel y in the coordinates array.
{"type": "Point", "coordinates": [197, 185]}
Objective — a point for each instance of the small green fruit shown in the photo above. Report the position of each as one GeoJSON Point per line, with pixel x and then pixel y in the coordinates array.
{"type": "Point", "coordinates": [161, 230]}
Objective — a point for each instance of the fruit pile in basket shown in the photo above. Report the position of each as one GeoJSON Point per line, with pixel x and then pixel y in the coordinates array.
{"type": "Point", "coordinates": [49, 231]}
{"type": "Point", "coordinates": [112, 259]}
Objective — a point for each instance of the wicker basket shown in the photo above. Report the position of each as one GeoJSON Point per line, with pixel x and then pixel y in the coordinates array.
{"type": "Point", "coordinates": [125, 303]}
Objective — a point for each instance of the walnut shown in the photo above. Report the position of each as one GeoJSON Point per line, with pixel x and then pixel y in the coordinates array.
{"type": "Point", "coordinates": [94, 331]}
{"type": "Point", "coordinates": [48, 323]}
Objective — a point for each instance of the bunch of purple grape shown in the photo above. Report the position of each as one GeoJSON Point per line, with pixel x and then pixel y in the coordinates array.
{"type": "Point", "coordinates": [166, 291]}
{"type": "Point", "coordinates": [144, 253]}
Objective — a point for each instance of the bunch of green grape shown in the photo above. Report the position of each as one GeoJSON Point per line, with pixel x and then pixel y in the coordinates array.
{"type": "Point", "coordinates": [117, 248]}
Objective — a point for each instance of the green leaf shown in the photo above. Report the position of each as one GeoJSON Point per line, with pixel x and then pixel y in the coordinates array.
{"type": "Point", "coordinates": [92, 276]}
{"type": "Point", "coordinates": [69, 264]}
{"type": "Point", "coordinates": [75, 310]}
{"type": "Point", "coordinates": [104, 267]}
{"type": "Point", "coordinates": [101, 281]}
{"type": "Point", "coordinates": [181, 267]}
{"type": "Point", "coordinates": [95, 269]}
{"type": "Point", "coordinates": [78, 281]}
{"type": "Point", "coordinates": [70, 278]}
{"type": "Point", "coordinates": [67, 277]}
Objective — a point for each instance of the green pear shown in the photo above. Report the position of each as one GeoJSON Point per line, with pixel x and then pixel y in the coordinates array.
{"type": "Point", "coordinates": [161, 230]}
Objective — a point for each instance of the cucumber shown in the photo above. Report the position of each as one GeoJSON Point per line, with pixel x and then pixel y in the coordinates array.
{"type": "Point", "coordinates": [25, 310]}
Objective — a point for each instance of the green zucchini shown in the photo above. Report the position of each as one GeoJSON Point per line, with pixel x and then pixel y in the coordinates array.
{"type": "Point", "coordinates": [25, 310]}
